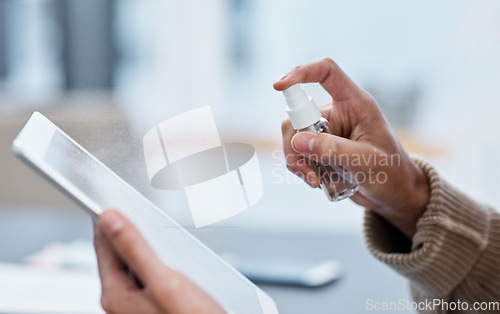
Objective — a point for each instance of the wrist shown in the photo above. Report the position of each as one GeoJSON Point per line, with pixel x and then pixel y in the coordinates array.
{"type": "Point", "coordinates": [418, 195]}
{"type": "Point", "coordinates": [422, 191]}
{"type": "Point", "coordinates": [404, 211]}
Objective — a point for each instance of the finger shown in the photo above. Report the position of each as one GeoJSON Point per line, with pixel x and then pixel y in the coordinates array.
{"type": "Point", "coordinates": [331, 149]}
{"type": "Point", "coordinates": [295, 162]}
{"type": "Point", "coordinates": [119, 293]}
{"type": "Point", "coordinates": [111, 268]}
{"type": "Point", "coordinates": [132, 248]}
{"type": "Point", "coordinates": [180, 295]}
{"type": "Point", "coordinates": [327, 73]}
{"type": "Point", "coordinates": [171, 289]}
{"type": "Point", "coordinates": [303, 168]}
{"type": "Point", "coordinates": [325, 110]}
{"type": "Point", "coordinates": [126, 301]}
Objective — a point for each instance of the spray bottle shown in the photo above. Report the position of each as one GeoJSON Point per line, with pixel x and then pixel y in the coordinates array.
{"type": "Point", "coordinates": [335, 181]}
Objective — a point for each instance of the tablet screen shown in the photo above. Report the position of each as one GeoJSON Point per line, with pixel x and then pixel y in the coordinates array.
{"type": "Point", "coordinates": [88, 181]}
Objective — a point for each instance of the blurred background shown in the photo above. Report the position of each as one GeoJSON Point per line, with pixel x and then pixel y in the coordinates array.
{"type": "Point", "coordinates": [106, 71]}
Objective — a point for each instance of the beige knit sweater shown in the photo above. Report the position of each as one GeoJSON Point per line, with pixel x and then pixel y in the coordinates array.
{"type": "Point", "coordinates": [454, 255]}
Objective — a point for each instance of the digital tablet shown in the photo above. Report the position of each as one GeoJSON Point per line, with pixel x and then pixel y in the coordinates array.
{"type": "Point", "coordinates": [66, 164]}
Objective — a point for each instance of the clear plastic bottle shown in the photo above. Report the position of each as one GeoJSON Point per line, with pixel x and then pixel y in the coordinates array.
{"type": "Point", "coordinates": [336, 181]}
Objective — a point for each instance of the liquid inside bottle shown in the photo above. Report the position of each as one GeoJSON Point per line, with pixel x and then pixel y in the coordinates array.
{"type": "Point", "coordinates": [335, 181]}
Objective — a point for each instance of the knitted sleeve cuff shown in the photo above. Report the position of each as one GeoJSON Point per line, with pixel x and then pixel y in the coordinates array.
{"type": "Point", "coordinates": [451, 234]}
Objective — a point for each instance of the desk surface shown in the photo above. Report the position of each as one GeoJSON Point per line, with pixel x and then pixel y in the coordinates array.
{"type": "Point", "coordinates": [24, 231]}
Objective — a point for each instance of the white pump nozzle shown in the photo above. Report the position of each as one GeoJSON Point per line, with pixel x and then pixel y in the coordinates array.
{"type": "Point", "coordinates": [295, 92]}
{"type": "Point", "coordinates": [301, 108]}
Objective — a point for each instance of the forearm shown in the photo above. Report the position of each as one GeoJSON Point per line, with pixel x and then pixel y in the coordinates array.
{"type": "Point", "coordinates": [455, 242]}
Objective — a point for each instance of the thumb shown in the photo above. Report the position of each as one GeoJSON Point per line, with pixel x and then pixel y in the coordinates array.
{"type": "Point", "coordinates": [330, 149]}
{"type": "Point", "coordinates": [132, 248]}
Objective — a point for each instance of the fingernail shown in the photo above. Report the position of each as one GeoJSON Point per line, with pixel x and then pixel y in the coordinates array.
{"type": "Point", "coordinates": [303, 142]}
{"type": "Point", "coordinates": [311, 179]}
{"type": "Point", "coordinates": [111, 222]}
{"type": "Point", "coordinates": [308, 180]}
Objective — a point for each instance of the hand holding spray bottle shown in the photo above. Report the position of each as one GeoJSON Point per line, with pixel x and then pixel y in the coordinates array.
{"type": "Point", "coordinates": [336, 181]}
